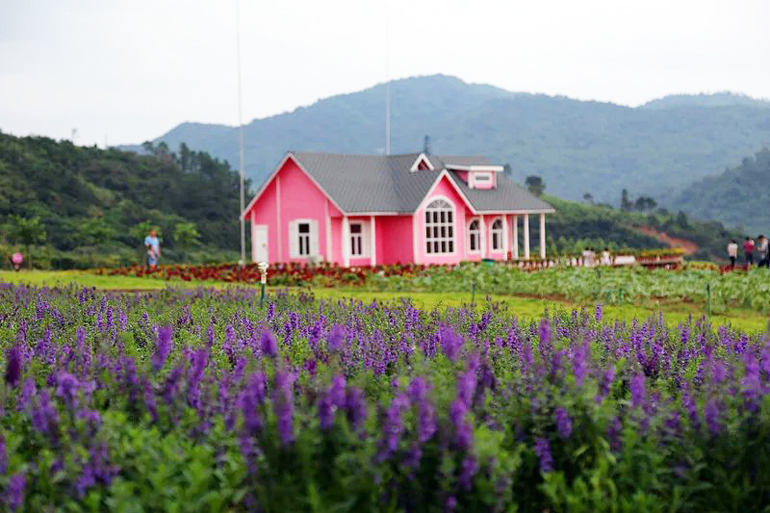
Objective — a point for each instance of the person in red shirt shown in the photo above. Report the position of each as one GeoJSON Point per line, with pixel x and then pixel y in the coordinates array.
{"type": "Point", "coordinates": [748, 249]}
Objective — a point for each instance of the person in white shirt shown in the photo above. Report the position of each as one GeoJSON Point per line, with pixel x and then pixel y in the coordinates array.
{"type": "Point", "coordinates": [762, 251]}
{"type": "Point", "coordinates": [732, 253]}
{"type": "Point", "coordinates": [606, 260]}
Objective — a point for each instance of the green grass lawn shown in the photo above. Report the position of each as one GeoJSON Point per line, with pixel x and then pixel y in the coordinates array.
{"type": "Point", "coordinates": [526, 307]}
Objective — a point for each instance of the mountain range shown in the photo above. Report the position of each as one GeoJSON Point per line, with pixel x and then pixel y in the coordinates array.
{"type": "Point", "coordinates": [657, 149]}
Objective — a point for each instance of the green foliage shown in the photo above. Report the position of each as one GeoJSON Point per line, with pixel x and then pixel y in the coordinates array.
{"type": "Point", "coordinates": [186, 234]}
{"type": "Point", "coordinates": [535, 185]}
{"type": "Point", "coordinates": [94, 203]}
{"type": "Point", "coordinates": [739, 196]}
{"type": "Point", "coordinates": [27, 231]}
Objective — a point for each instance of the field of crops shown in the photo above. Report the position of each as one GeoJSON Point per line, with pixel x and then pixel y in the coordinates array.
{"type": "Point", "coordinates": [609, 285]}
{"type": "Point", "coordinates": [206, 401]}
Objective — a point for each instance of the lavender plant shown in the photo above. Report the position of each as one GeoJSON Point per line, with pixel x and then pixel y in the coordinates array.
{"type": "Point", "coordinates": [200, 400]}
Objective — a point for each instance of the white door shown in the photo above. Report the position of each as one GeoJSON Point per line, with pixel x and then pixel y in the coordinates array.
{"type": "Point", "coordinates": [259, 243]}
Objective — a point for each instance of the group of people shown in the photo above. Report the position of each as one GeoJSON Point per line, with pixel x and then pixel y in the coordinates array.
{"type": "Point", "coordinates": [749, 248]}
{"type": "Point", "coordinates": [589, 257]}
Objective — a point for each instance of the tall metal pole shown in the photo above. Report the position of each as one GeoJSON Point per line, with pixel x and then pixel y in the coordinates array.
{"type": "Point", "coordinates": [240, 132]}
{"type": "Point", "coordinates": [387, 78]}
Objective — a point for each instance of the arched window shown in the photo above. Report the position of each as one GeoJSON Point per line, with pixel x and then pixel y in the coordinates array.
{"type": "Point", "coordinates": [474, 236]}
{"type": "Point", "coordinates": [439, 228]}
{"type": "Point", "coordinates": [496, 233]}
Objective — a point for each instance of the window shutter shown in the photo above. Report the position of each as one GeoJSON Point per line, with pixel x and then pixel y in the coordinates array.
{"type": "Point", "coordinates": [314, 238]}
{"type": "Point", "coordinates": [293, 239]}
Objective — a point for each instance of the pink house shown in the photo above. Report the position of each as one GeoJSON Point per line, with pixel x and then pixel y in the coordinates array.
{"type": "Point", "coordinates": [357, 210]}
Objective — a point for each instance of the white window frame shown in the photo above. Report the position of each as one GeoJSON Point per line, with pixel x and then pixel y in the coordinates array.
{"type": "Point", "coordinates": [309, 240]}
{"type": "Point", "coordinates": [482, 177]}
{"type": "Point", "coordinates": [304, 237]}
{"type": "Point", "coordinates": [435, 219]}
{"type": "Point", "coordinates": [474, 233]}
{"type": "Point", "coordinates": [500, 235]}
{"type": "Point", "coordinates": [359, 238]}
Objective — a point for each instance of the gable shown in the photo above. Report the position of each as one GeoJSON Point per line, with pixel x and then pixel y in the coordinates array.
{"type": "Point", "coordinates": [302, 183]}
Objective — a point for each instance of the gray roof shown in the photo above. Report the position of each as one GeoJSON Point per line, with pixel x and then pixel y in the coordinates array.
{"type": "Point", "coordinates": [376, 183]}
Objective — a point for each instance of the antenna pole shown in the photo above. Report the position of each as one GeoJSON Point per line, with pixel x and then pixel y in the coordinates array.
{"type": "Point", "coordinates": [387, 78]}
{"type": "Point", "coordinates": [240, 132]}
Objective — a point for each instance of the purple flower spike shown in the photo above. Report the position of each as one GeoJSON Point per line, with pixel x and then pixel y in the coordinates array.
{"type": "Point", "coordinates": [16, 486]}
{"type": "Point", "coordinates": [163, 348]}
{"type": "Point", "coordinates": [543, 452]}
{"type": "Point", "coordinates": [638, 390]}
{"type": "Point", "coordinates": [563, 422]}
{"type": "Point", "coordinates": [283, 405]}
{"type": "Point", "coordinates": [336, 338]}
{"type": "Point", "coordinates": [268, 344]}
{"type": "Point", "coordinates": [451, 343]}
{"type": "Point", "coordinates": [598, 312]}
{"type": "Point", "coordinates": [13, 368]}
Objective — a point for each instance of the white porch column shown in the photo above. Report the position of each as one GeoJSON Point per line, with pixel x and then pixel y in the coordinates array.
{"type": "Point", "coordinates": [505, 237]}
{"type": "Point", "coordinates": [328, 230]}
{"type": "Point", "coordinates": [515, 236]}
{"type": "Point", "coordinates": [373, 248]}
{"type": "Point", "coordinates": [345, 242]}
{"type": "Point", "coordinates": [253, 236]}
{"type": "Point", "coordinates": [542, 236]}
{"type": "Point", "coordinates": [483, 236]}
{"type": "Point", "coordinates": [416, 237]}
{"type": "Point", "coordinates": [526, 236]}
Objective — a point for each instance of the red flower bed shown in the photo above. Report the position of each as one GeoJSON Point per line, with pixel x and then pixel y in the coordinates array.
{"type": "Point", "coordinates": [278, 274]}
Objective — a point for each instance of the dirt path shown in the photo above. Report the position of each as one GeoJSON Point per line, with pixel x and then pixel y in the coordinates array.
{"type": "Point", "coordinates": [688, 246]}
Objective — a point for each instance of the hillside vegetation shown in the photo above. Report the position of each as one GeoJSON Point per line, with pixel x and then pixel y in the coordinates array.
{"type": "Point", "coordinates": [96, 205]}
{"type": "Point", "coordinates": [739, 196]}
{"type": "Point", "coordinates": [578, 147]}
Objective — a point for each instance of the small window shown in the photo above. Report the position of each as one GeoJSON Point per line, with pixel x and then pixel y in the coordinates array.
{"type": "Point", "coordinates": [496, 233]}
{"type": "Point", "coordinates": [474, 236]}
{"type": "Point", "coordinates": [304, 239]}
{"type": "Point", "coordinates": [356, 239]}
{"type": "Point", "coordinates": [483, 177]}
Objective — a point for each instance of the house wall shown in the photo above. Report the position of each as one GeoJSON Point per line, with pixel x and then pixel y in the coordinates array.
{"type": "Point", "coordinates": [394, 239]}
{"type": "Point", "coordinates": [490, 253]}
{"type": "Point", "coordinates": [447, 191]}
{"type": "Point", "coordinates": [475, 256]}
{"type": "Point", "coordinates": [298, 198]}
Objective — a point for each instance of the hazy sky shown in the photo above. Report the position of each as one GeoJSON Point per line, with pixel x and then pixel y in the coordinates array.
{"type": "Point", "coordinates": [131, 70]}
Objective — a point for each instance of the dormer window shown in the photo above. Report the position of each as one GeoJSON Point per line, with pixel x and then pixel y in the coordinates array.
{"type": "Point", "coordinates": [482, 177]}
{"type": "Point", "coordinates": [422, 164]}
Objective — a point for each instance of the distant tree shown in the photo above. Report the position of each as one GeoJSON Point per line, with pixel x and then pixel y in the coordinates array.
{"type": "Point", "coordinates": [535, 185]}
{"type": "Point", "coordinates": [588, 198]}
{"type": "Point", "coordinates": [186, 234]}
{"type": "Point", "coordinates": [426, 145]}
{"type": "Point", "coordinates": [27, 232]}
{"type": "Point", "coordinates": [625, 202]}
{"type": "Point", "coordinates": [95, 231]}
{"type": "Point", "coordinates": [184, 157]}
{"type": "Point", "coordinates": [148, 147]}
{"type": "Point", "coordinates": [645, 203]}
{"type": "Point", "coordinates": [508, 170]}
{"type": "Point", "coordinates": [681, 220]}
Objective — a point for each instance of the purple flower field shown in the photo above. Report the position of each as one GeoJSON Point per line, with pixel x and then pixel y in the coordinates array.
{"type": "Point", "coordinates": [204, 401]}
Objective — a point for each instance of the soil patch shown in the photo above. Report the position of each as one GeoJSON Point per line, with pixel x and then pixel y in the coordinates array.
{"type": "Point", "coordinates": [688, 246]}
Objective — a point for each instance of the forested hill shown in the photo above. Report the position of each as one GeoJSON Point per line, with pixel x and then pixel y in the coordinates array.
{"type": "Point", "coordinates": [100, 202]}
{"type": "Point", "coordinates": [738, 196]}
{"type": "Point", "coordinates": [578, 147]}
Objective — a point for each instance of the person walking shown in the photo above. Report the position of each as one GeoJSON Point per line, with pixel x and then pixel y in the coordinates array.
{"type": "Point", "coordinates": [748, 251]}
{"type": "Point", "coordinates": [152, 244]}
{"type": "Point", "coordinates": [762, 251]}
{"type": "Point", "coordinates": [732, 253]}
